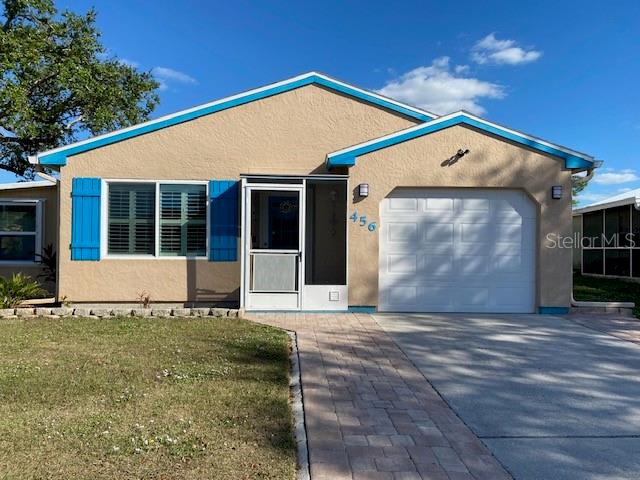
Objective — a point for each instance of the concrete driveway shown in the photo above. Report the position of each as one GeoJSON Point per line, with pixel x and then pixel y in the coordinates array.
{"type": "Point", "coordinates": [550, 398]}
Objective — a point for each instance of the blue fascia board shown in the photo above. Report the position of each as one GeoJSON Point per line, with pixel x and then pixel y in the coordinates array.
{"type": "Point", "coordinates": [348, 158]}
{"type": "Point", "coordinates": [362, 309]}
{"type": "Point", "coordinates": [59, 158]}
{"type": "Point", "coordinates": [553, 310]}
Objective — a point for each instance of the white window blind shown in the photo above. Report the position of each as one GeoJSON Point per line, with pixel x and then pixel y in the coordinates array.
{"type": "Point", "coordinates": [132, 218]}
{"type": "Point", "coordinates": [183, 220]}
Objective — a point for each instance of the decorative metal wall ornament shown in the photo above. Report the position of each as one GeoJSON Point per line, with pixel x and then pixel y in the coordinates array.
{"type": "Point", "coordinates": [287, 206]}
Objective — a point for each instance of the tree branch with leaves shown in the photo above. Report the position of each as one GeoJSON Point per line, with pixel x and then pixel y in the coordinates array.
{"type": "Point", "coordinates": [578, 184]}
{"type": "Point", "coordinates": [58, 84]}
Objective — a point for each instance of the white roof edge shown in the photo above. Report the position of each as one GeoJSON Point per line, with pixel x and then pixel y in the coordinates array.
{"type": "Point", "coordinates": [614, 201]}
{"type": "Point", "coordinates": [374, 94]}
{"type": "Point", "coordinates": [20, 185]}
{"type": "Point", "coordinates": [448, 116]}
{"type": "Point", "coordinates": [34, 158]}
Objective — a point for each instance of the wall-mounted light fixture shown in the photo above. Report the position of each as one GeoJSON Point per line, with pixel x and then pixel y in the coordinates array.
{"type": "Point", "coordinates": [363, 190]}
{"type": "Point", "coordinates": [556, 192]}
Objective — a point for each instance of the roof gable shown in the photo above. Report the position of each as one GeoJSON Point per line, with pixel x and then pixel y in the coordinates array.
{"type": "Point", "coordinates": [347, 157]}
{"type": "Point", "coordinates": [59, 156]}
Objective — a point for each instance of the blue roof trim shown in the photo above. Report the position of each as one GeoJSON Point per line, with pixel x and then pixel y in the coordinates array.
{"type": "Point", "coordinates": [59, 156]}
{"type": "Point", "coordinates": [347, 157]}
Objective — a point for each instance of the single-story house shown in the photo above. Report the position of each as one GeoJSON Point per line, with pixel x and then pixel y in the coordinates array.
{"type": "Point", "coordinates": [312, 194]}
{"type": "Point", "coordinates": [608, 236]}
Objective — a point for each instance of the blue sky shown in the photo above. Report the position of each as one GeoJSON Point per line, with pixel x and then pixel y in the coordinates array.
{"type": "Point", "coordinates": [565, 71]}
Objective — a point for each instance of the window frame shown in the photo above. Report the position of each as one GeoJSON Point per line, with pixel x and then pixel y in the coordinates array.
{"type": "Point", "coordinates": [38, 202]}
{"type": "Point", "coordinates": [605, 248]}
{"type": "Point", "coordinates": [104, 220]}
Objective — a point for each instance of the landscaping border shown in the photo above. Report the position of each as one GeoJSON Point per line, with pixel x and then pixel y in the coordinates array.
{"type": "Point", "coordinates": [300, 429]}
{"type": "Point", "coordinates": [56, 312]}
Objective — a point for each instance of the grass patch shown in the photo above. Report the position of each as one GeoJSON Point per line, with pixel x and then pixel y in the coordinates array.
{"type": "Point", "coordinates": [596, 289]}
{"type": "Point", "coordinates": [144, 398]}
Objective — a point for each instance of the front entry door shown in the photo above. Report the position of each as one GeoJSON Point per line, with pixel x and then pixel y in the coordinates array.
{"type": "Point", "coordinates": [273, 222]}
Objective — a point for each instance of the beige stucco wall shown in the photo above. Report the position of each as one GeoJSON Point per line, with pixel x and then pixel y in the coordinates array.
{"type": "Point", "coordinates": [492, 162]}
{"type": "Point", "coordinates": [287, 133]}
{"type": "Point", "coordinates": [50, 224]}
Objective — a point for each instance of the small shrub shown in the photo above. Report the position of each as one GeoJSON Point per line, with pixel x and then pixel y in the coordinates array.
{"type": "Point", "coordinates": [16, 289]}
{"type": "Point", "coordinates": [144, 299]}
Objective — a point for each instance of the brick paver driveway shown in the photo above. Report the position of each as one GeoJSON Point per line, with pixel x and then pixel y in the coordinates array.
{"type": "Point", "coordinates": [370, 414]}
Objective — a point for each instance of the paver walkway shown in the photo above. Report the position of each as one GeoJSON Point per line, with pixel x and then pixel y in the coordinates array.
{"type": "Point", "coordinates": [370, 414]}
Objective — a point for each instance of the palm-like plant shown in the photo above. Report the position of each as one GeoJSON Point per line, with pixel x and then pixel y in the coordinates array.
{"type": "Point", "coordinates": [17, 288]}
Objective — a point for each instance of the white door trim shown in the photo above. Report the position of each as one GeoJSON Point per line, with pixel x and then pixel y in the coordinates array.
{"type": "Point", "coordinates": [275, 300]}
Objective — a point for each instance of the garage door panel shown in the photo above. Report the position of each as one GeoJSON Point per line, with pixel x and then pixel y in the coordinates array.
{"type": "Point", "coordinates": [438, 204]}
{"type": "Point", "coordinates": [436, 265]}
{"type": "Point", "coordinates": [435, 296]}
{"type": "Point", "coordinates": [467, 249]}
{"type": "Point", "coordinates": [507, 249]}
{"type": "Point", "coordinates": [513, 209]}
{"type": "Point", "coordinates": [405, 296]}
{"type": "Point", "coordinates": [473, 265]}
{"type": "Point", "coordinates": [480, 233]}
{"type": "Point", "coordinates": [438, 233]}
{"type": "Point", "coordinates": [477, 297]}
{"type": "Point", "coordinates": [402, 205]}
{"type": "Point", "coordinates": [401, 263]}
{"type": "Point", "coordinates": [508, 233]}
{"type": "Point", "coordinates": [475, 204]}
{"type": "Point", "coordinates": [457, 250]}
{"type": "Point", "coordinates": [402, 232]}
{"type": "Point", "coordinates": [507, 264]}
{"type": "Point", "coordinates": [512, 296]}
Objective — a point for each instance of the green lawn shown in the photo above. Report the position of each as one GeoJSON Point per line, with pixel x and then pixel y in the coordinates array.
{"type": "Point", "coordinates": [129, 398]}
{"type": "Point", "coordinates": [596, 289]}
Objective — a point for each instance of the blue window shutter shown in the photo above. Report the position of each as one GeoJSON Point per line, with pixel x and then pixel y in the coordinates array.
{"type": "Point", "coordinates": [223, 208]}
{"type": "Point", "coordinates": [85, 218]}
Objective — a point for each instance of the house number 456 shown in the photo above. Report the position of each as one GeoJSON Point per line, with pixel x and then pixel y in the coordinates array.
{"type": "Point", "coordinates": [362, 220]}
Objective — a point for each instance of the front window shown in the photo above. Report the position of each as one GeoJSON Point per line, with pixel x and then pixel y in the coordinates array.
{"type": "Point", "coordinates": [132, 216]}
{"type": "Point", "coordinates": [157, 219]}
{"type": "Point", "coordinates": [19, 226]}
{"type": "Point", "coordinates": [183, 220]}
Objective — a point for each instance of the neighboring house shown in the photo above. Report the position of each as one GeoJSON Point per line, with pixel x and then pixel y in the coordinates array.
{"type": "Point", "coordinates": [28, 223]}
{"type": "Point", "coordinates": [609, 234]}
{"type": "Point", "coordinates": [312, 194]}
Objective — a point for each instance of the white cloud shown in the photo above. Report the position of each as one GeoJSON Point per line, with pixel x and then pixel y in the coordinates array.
{"type": "Point", "coordinates": [167, 76]}
{"type": "Point", "coordinates": [441, 89]}
{"type": "Point", "coordinates": [129, 63]}
{"type": "Point", "coordinates": [613, 177]}
{"type": "Point", "coordinates": [587, 198]}
{"type": "Point", "coordinates": [490, 50]}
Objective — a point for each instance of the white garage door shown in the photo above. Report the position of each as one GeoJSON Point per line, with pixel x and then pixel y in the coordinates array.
{"type": "Point", "coordinates": [457, 250]}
